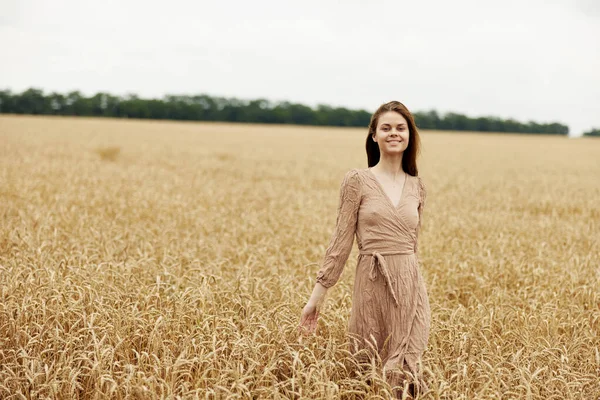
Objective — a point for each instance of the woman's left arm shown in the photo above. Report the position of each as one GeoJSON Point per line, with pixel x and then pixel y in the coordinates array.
{"type": "Point", "coordinates": [422, 198]}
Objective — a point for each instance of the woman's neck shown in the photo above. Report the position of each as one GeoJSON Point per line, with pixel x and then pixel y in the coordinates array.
{"type": "Point", "coordinates": [390, 166]}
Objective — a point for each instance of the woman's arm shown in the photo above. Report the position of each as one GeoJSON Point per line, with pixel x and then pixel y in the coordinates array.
{"type": "Point", "coordinates": [311, 310]}
{"type": "Point", "coordinates": [342, 239]}
{"type": "Point", "coordinates": [338, 250]}
{"type": "Point", "coordinates": [422, 199]}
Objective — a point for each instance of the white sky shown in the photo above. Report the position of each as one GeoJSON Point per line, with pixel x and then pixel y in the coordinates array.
{"type": "Point", "coordinates": [526, 59]}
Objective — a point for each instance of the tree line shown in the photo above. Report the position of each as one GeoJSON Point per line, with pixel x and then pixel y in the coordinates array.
{"type": "Point", "coordinates": [592, 132]}
{"type": "Point", "coordinates": [204, 107]}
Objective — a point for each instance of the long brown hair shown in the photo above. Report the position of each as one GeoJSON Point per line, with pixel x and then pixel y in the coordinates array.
{"type": "Point", "coordinates": [409, 158]}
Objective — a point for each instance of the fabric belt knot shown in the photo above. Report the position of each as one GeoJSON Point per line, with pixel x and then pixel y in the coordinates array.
{"type": "Point", "coordinates": [378, 260]}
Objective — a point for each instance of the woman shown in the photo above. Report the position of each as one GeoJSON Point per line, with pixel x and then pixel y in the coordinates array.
{"type": "Point", "coordinates": [383, 206]}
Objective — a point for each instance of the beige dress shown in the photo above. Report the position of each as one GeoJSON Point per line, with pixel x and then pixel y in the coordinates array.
{"type": "Point", "coordinates": [390, 307]}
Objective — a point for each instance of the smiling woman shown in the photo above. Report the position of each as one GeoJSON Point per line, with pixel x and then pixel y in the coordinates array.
{"type": "Point", "coordinates": [382, 206]}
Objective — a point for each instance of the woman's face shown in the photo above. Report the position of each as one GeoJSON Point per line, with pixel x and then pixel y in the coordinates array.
{"type": "Point", "coordinates": [392, 133]}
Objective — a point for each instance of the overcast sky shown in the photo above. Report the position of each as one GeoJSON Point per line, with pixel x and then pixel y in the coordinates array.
{"type": "Point", "coordinates": [530, 60]}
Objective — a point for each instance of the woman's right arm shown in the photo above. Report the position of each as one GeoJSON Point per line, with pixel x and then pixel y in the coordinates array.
{"type": "Point", "coordinates": [339, 247]}
{"type": "Point", "coordinates": [310, 312]}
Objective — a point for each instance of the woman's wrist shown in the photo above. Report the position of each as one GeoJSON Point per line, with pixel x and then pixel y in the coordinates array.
{"type": "Point", "coordinates": [317, 295]}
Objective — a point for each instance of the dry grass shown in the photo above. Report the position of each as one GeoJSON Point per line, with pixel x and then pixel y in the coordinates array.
{"type": "Point", "coordinates": [110, 153]}
{"type": "Point", "coordinates": [180, 269]}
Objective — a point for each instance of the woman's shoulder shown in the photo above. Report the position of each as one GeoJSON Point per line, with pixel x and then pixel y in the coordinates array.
{"type": "Point", "coordinates": [421, 187]}
{"type": "Point", "coordinates": [355, 174]}
{"type": "Point", "coordinates": [420, 181]}
{"type": "Point", "coordinates": [353, 179]}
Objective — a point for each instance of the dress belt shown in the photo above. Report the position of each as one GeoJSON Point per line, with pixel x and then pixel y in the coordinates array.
{"type": "Point", "coordinates": [378, 260]}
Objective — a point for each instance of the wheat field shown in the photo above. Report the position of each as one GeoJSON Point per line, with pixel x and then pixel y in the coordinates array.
{"type": "Point", "coordinates": [172, 260]}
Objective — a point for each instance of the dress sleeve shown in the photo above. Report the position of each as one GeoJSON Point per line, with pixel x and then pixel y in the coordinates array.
{"type": "Point", "coordinates": [422, 198]}
{"type": "Point", "coordinates": [342, 240]}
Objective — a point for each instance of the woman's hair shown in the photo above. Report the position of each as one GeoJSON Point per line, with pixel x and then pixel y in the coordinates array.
{"type": "Point", "coordinates": [409, 158]}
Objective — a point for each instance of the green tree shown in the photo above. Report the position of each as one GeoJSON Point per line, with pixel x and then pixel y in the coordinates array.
{"type": "Point", "coordinates": [592, 132]}
{"type": "Point", "coordinates": [204, 107]}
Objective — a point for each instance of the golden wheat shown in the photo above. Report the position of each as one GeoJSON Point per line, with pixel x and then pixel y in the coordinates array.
{"type": "Point", "coordinates": [172, 260]}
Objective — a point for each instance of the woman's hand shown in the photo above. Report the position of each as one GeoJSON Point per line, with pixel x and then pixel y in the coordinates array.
{"type": "Point", "coordinates": [310, 313]}
{"type": "Point", "coordinates": [308, 319]}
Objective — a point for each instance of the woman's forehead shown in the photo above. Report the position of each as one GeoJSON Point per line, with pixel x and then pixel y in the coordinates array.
{"type": "Point", "coordinates": [392, 118]}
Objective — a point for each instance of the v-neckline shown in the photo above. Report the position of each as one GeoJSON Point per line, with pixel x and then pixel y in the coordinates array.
{"type": "Point", "coordinates": [382, 190]}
